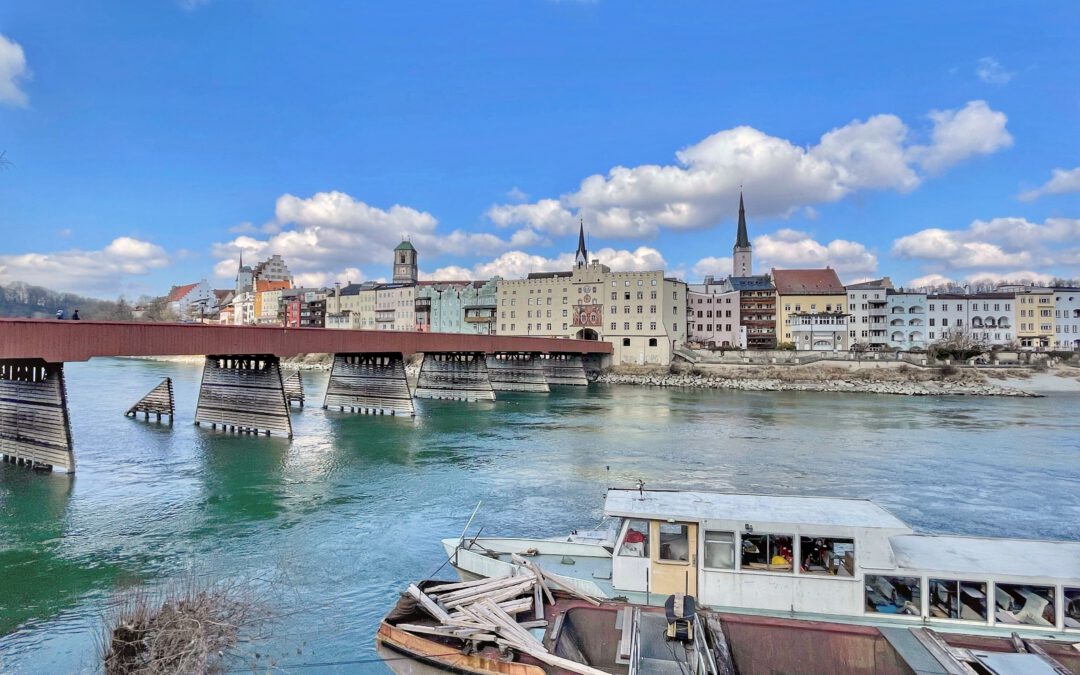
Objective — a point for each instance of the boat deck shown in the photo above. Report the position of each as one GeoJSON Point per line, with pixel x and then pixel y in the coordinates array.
{"type": "Point", "coordinates": [597, 570]}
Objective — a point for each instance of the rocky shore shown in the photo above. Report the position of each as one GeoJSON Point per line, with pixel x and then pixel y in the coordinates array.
{"type": "Point", "coordinates": [851, 384]}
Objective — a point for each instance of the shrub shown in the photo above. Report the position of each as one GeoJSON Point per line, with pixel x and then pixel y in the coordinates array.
{"type": "Point", "coordinates": [949, 370]}
{"type": "Point", "coordinates": [786, 346]}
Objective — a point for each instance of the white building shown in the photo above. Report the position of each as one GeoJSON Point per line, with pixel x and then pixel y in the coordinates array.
{"type": "Point", "coordinates": [1067, 318]}
{"type": "Point", "coordinates": [713, 316]}
{"type": "Point", "coordinates": [983, 318]}
{"type": "Point", "coordinates": [395, 307]}
{"type": "Point", "coordinates": [907, 321]}
{"type": "Point", "coordinates": [192, 300]}
{"type": "Point", "coordinates": [867, 307]}
{"type": "Point", "coordinates": [819, 331]}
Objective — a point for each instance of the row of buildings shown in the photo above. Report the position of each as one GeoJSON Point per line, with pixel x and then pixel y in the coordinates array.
{"type": "Point", "coordinates": [648, 315]}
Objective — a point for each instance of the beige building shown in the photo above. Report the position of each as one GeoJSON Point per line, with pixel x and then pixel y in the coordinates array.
{"type": "Point", "coordinates": [395, 307]}
{"type": "Point", "coordinates": [642, 314]}
{"type": "Point", "coordinates": [1035, 321]}
{"type": "Point", "coordinates": [810, 309]}
{"type": "Point", "coordinates": [352, 307]}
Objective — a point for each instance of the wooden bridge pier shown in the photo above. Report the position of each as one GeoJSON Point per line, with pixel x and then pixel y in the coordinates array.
{"type": "Point", "coordinates": [373, 384]}
{"type": "Point", "coordinates": [35, 430]}
{"type": "Point", "coordinates": [516, 371]}
{"type": "Point", "coordinates": [564, 369]}
{"type": "Point", "coordinates": [244, 394]}
{"type": "Point", "coordinates": [459, 376]}
{"type": "Point", "coordinates": [159, 401]}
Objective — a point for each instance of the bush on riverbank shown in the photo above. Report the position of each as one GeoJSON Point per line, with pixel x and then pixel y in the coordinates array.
{"type": "Point", "coordinates": [186, 629]}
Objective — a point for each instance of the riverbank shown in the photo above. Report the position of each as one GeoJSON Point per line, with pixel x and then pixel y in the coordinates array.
{"type": "Point", "coordinates": [901, 380]}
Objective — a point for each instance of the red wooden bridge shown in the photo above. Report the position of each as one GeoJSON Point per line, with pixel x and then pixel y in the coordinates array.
{"type": "Point", "coordinates": [242, 388]}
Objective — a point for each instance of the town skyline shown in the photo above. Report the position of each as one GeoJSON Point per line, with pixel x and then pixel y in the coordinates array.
{"type": "Point", "coordinates": [951, 168]}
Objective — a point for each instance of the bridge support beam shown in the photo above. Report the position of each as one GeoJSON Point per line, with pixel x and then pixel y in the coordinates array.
{"type": "Point", "coordinates": [460, 376]}
{"type": "Point", "coordinates": [564, 369]}
{"type": "Point", "coordinates": [35, 430]}
{"type": "Point", "coordinates": [369, 383]}
{"type": "Point", "coordinates": [158, 402]}
{"type": "Point", "coordinates": [294, 388]}
{"type": "Point", "coordinates": [244, 394]}
{"type": "Point", "coordinates": [516, 371]}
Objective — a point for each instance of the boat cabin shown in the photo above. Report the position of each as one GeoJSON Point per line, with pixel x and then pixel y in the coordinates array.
{"type": "Point", "coordinates": [832, 556]}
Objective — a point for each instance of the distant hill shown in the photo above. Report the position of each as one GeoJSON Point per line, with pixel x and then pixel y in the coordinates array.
{"type": "Point", "coordinates": [18, 299]}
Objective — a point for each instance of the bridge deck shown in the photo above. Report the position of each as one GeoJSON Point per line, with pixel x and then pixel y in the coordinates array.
{"type": "Point", "coordinates": [61, 341]}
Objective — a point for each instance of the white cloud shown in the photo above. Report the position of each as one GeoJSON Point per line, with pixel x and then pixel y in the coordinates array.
{"type": "Point", "coordinates": [997, 243]}
{"type": "Point", "coordinates": [990, 71]}
{"type": "Point", "coordinates": [931, 281]}
{"type": "Point", "coordinates": [777, 175]}
{"type": "Point", "coordinates": [349, 275]}
{"type": "Point", "coordinates": [984, 278]}
{"type": "Point", "coordinates": [794, 249]}
{"type": "Point", "coordinates": [712, 266]}
{"type": "Point", "coordinates": [84, 271]}
{"type": "Point", "coordinates": [961, 134]}
{"type": "Point", "coordinates": [517, 194]}
{"type": "Point", "coordinates": [518, 264]}
{"type": "Point", "coordinates": [333, 230]}
{"type": "Point", "coordinates": [13, 70]}
{"type": "Point", "coordinates": [1062, 181]}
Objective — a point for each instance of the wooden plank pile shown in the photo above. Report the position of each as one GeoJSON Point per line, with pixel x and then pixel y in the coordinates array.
{"type": "Point", "coordinates": [486, 611]}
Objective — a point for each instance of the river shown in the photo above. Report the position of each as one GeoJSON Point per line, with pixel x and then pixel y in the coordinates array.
{"type": "Point", "coordinates": [330, 526]}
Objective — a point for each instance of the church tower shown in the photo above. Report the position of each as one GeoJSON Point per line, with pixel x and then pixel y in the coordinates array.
{"type": "Point", "coordinates": [405, 267]}
{"type": "Point", "coordinates": [581, 258]}
{"type": "Point", "coordinates": [741, 255]}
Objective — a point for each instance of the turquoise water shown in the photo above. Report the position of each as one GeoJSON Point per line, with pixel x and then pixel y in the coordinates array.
{"type": "Point", "coordinates": [332, 525]}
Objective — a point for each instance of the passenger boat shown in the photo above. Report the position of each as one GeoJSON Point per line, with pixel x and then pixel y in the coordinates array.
{"type": "Point", "coordinates": [811, 557]}
{"type": "Point", "coordinates": [429, 631]}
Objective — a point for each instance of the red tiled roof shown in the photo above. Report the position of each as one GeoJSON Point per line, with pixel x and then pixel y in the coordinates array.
{"type": "Point", "coordinates": [808, 282]}
{"type": "Point", "coordinates": [261, 285]}
{"type": "Point", "coordinates": [179, 292]}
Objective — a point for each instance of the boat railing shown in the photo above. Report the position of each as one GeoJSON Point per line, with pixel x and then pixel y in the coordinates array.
{"type": "Point", "coordinates": [704, 663]}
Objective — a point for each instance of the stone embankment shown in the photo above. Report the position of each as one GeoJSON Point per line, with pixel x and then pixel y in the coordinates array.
{"type": "Point", "coordinates": [845, 381]}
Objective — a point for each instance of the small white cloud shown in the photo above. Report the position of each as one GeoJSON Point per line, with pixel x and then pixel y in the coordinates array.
{"type": "Point", "coordinates": [990, 71]}
{"type": "Point", "coordinates": [516, 194]}
{"type": "Point", "coordinates": [65, 233]}
{"type": "Point", "coordinates": [13, 72]}
{"type": "Point", "coordinates": [85, 271]}
{"type": "Point", "coordinates": [958, 135]}
{"type": "Point", "coordinates": [518, 264]}
{"type": "Point", "coordinates": [712, 266]}
{"type": "Point", "coordinates": [1062, 181]}
{"type": "Point", "coordinates": [245, 227]}
{"type": "Point", "coordinates": [787, 249]}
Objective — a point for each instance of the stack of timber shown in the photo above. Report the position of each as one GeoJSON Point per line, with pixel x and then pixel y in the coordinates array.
{"type": "Point", "coordinates": [294, 389]}
{"type": "Point", "coordinates": [485, 612]}
{"type": "Point", "coordinates": [369, 383]}
{"type": "Point", "coordinates": [158, 402]}
{"type": "Point", "coordinates": [35, 430]}
{"type": "Point", "coordinates": [458, 376]}
{"type": "Point", "coordinates": [565, 369]}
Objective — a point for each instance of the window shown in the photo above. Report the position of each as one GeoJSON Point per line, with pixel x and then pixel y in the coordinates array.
{"type": "Point", "coordinates": [640, 282]}
{"type": "Point", "coordinates": [652, 295]}
{"type": "Point", "coordinates": [652, 326]}
{"type": "Point", "coordinates": [770, 552]}
{"type": "Point", "coordinates": [1023, 604]}
{"type": "Point", "coordinates": [626, 326]}
{"type": "Point", "coordinates": [626, 309]}
{"type": "Point", "coordinates": [564, 313]}
{"type": "Point", "coordinates": [614, 309]}
{"type": "Point", "coordinates": [827, 556]}
{"type": "Point", "coordinates": [674, 542]}
{"type": "Point", "coordinates": [613, 284]}
{"type": "Point", "coordinates": [1072, 607]}
{"type": "Point", "coordinates": [654, 282]}
{"type": "Point", "coordinates": [652, 309]}
{"type": "Point", "coordinates": [652, 341]}
{"type": "Point", "coordinates": [893, 595]}
{"type": "Point", "coordinates": [626, 295]}
{"type": "Point", "coordinates": [641, 295]}
{"type": "Point", "coordinates": [951, 599]}
{"type": "Point", "coordinates": [626, 283]}
{"type": "Point", "coordinates": [635, 542]}
{"type": "Point", "coordinates": [720, 550]}
{"type": "Point", "coordinates": [638, 325]}
{"type": "Point", "coordinates": [639, 308]}
{"type": "Point", "coordinates": [613, 326]}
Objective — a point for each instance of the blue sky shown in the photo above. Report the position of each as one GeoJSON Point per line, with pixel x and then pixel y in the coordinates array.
{"type": "Point", "coordinates": [150, 141]}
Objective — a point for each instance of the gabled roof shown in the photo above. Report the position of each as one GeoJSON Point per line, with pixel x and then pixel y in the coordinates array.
{"type": "Point", "coordinates": [808, 282]}
{"type": "Point", "coordinates": [179, 292]}
{"type": "Point", "coordinates": [757, 282]}
{"type": "Point", "coordinates": [884, 282]}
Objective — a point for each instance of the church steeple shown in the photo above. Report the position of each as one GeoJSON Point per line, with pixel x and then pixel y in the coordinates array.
{"type": "Point", "coordinates": [742, 257]}
{"type": "Point", "coordinates": [581, 258]}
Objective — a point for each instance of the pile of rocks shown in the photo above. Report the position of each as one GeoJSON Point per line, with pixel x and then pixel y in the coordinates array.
{"type": "Point", "coordinates": [921, 388]}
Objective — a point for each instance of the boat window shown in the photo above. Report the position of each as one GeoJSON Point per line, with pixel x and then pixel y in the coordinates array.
{"type": "Point", "coordinates": [893, 595]}
{"type": "Point", "coordinates": [766, 552]}
{"type": "Point", "coordinates": [720, 550]}
{"type": "Point", "coordinates": [1023, 604]}
{"type": "Point", "coordinates": [636, 542]}
{"type": "Point", "coordinates": [674, 542]}
{"type": "Point", "coordinates": [827, 556]}
{"type": "Point", "coordinates": [1072, 608]}
{"type": "Point", "coordinates": [951, 599]}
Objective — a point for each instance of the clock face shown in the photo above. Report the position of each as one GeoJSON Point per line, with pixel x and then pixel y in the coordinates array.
{"type": "Point", "coordinates": [588, 299]}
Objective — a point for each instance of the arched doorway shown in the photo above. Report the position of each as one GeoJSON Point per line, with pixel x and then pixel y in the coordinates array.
{"type": "Point", "coordinates": [587, 334]}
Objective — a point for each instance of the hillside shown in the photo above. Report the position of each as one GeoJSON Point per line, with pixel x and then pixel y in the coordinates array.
{"type": "Point", "coordinates": [18, 299]}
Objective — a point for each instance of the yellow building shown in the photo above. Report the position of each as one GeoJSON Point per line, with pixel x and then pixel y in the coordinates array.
{"type": "Point", "coordinates": [642, 314]}
{"type": "Point", "coordinates": [810, 309]}
{"type": "Point", "coordinates": [1035, 325]}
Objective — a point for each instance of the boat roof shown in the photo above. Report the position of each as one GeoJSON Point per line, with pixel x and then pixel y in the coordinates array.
{"type": "Point", "coordinates": [980, 557]}
{"type": "Point", "coordinates": [663, 504]}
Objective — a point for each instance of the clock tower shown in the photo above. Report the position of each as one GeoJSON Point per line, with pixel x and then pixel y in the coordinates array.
{"type": "Point", "coordinates": [405, 268]}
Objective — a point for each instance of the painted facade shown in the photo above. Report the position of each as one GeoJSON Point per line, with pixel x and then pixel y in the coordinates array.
{"type": "Point", "coordinates": [1067, 318]}
{"type": "Point", "coordinates": [1035, 317]}
{"type": "Point", "coordinates": [713, 316]}
{"type": "Point", "coordinates": [457, 307]}
{"type": "Point", "coordinates": [803, 295]}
